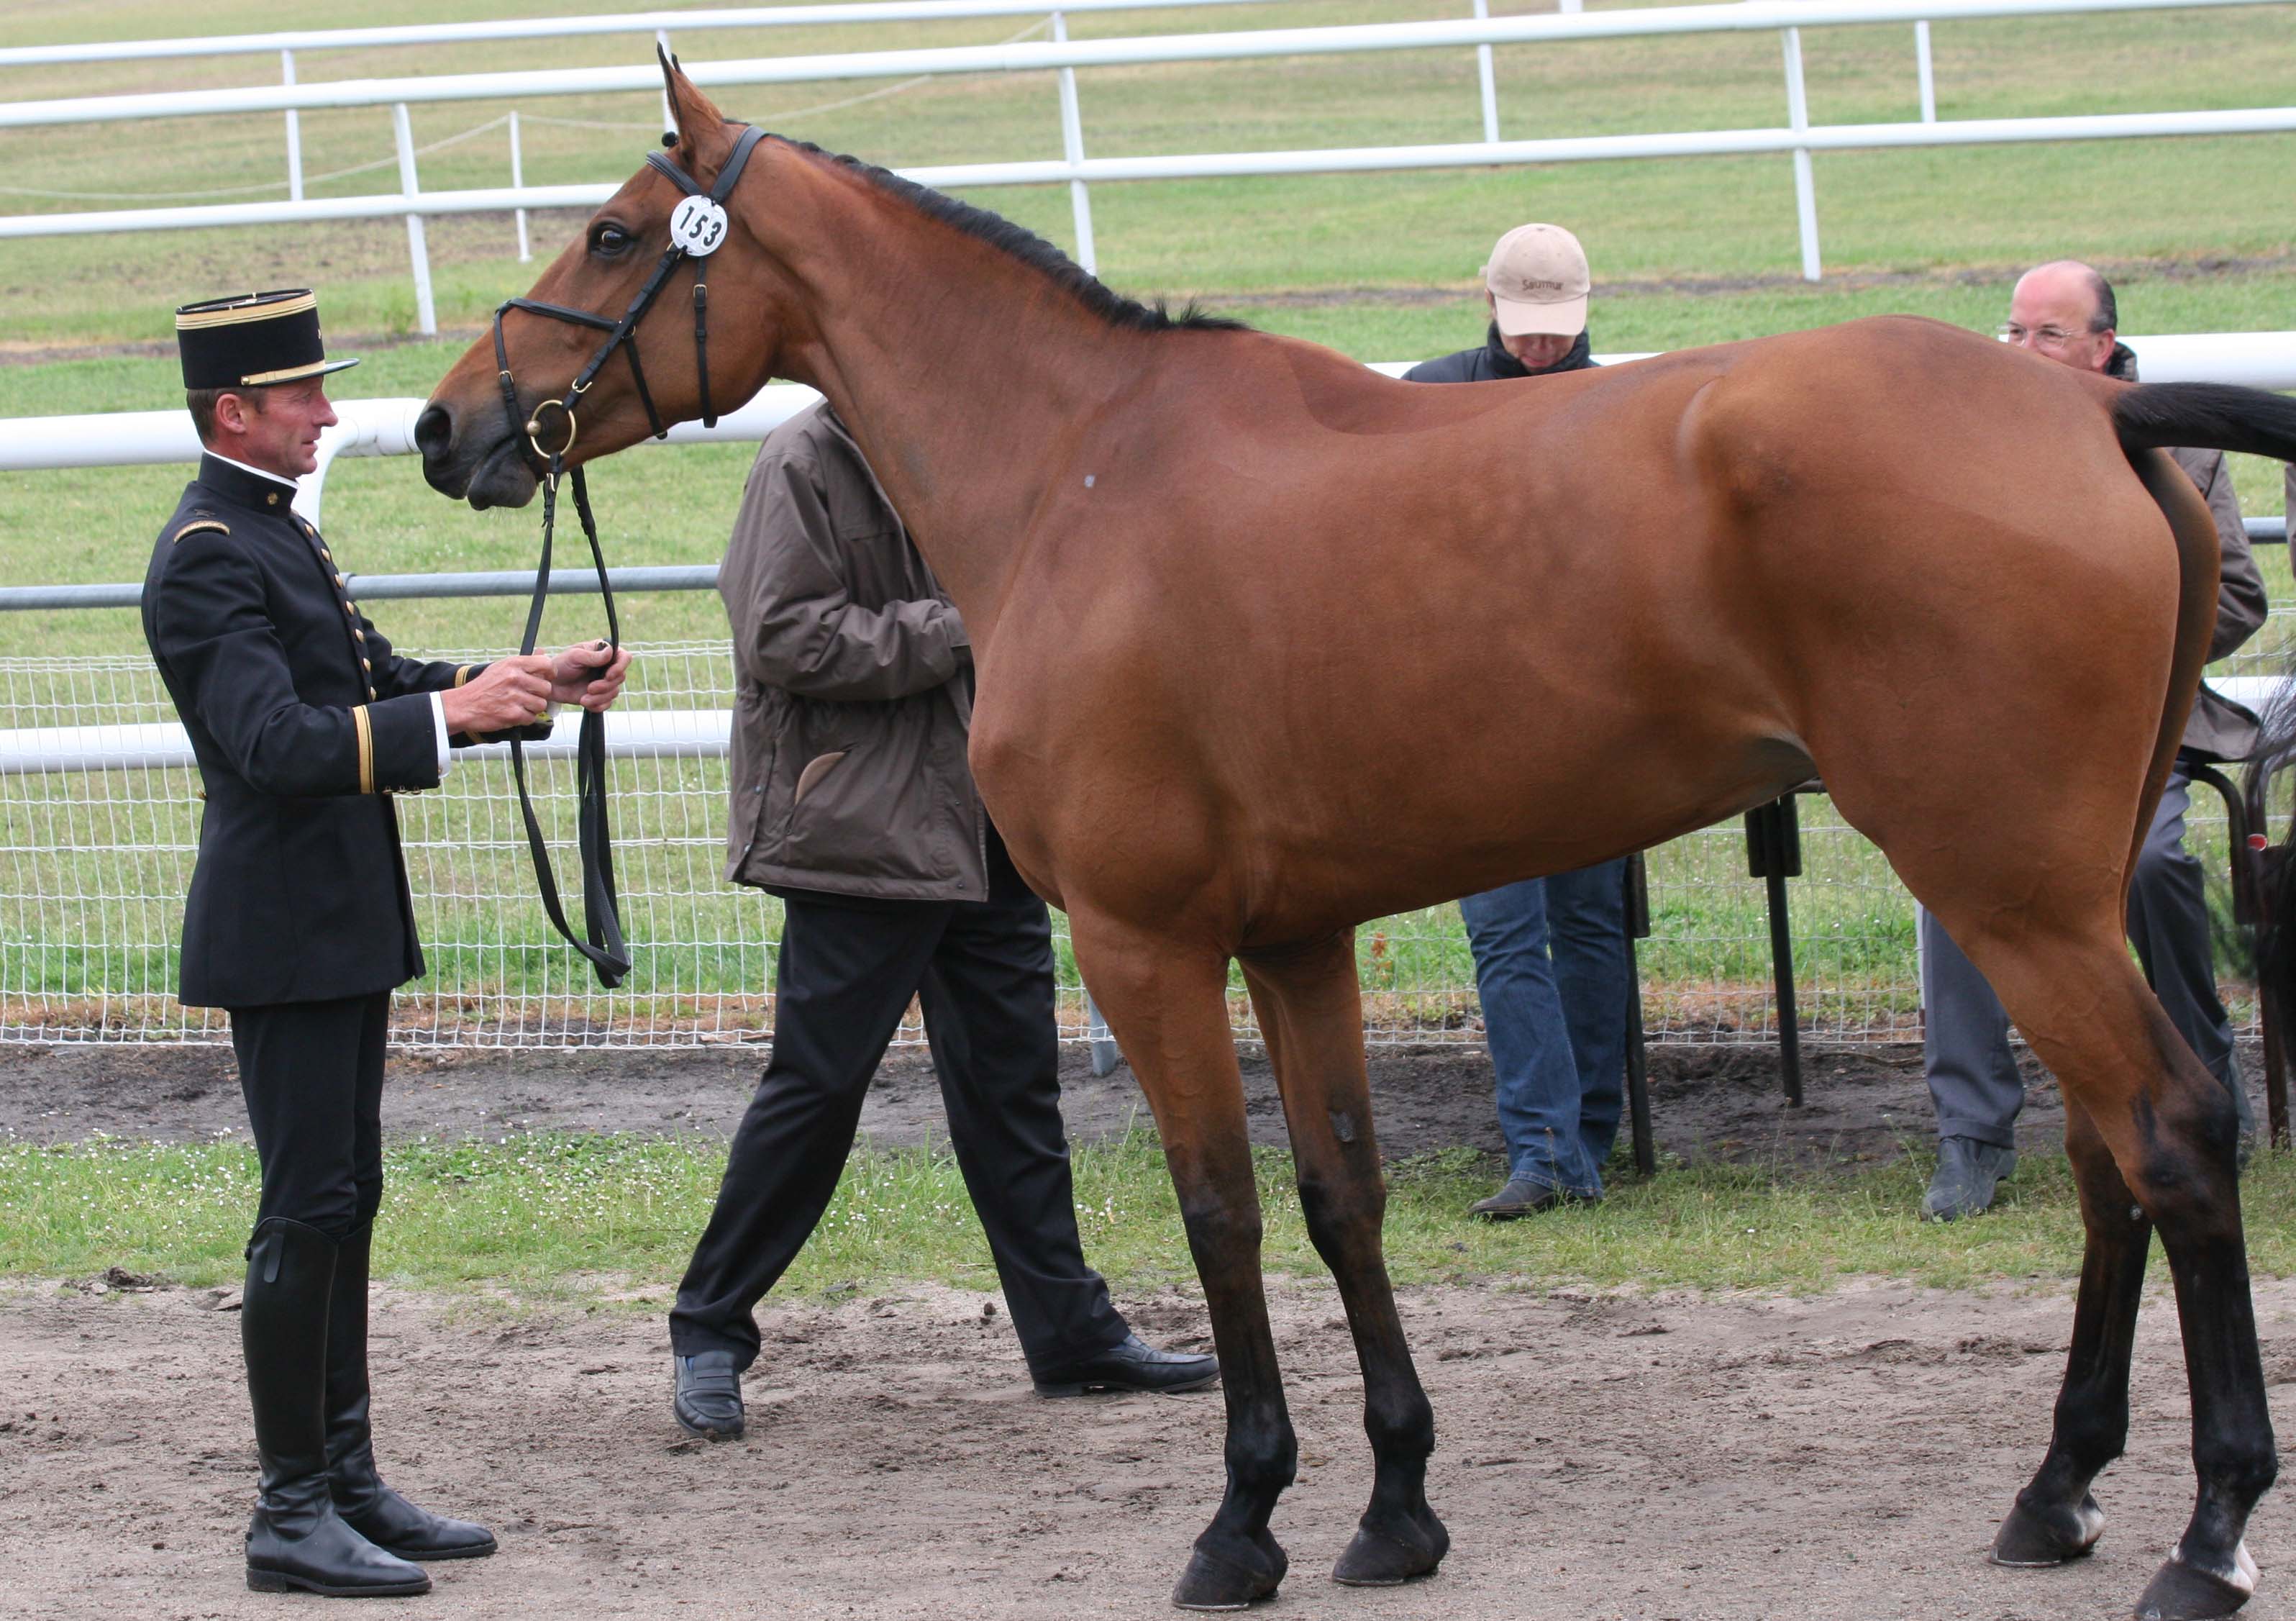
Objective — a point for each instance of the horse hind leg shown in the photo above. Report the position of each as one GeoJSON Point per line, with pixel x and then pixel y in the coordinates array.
{"type": "Point", "coordinates": [2169, 1129]}
{"type": "Point", "coordinates": [2056, 1517]}
{"type": "Point", "coordinates": [1310, 1011]}
{"type": "Point", "coordinates": [1167, 1006]}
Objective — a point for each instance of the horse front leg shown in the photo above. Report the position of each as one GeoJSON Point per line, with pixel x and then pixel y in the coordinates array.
{"type": "Point", "coordinates": [2055, 1517]}
{"type": "Point", "coordinates": [1310, 1003]}
{"type": "Point", "coordinates": [1167, 1006]}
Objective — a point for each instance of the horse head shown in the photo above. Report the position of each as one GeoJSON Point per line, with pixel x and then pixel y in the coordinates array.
{"type": "Point", "coordinates": [634, 276]}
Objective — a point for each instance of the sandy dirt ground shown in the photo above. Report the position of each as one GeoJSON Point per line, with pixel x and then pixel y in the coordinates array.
{"type": "Point", "coordinates": [1647, 1457]}
{"type": "Point", "coordinates": [1862, 1104]}
{"type": "Point", "coordinates": [1838, 1457]}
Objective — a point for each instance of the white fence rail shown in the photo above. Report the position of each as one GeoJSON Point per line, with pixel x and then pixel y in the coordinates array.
{"type": "Point", "coordinates": [1064, 56]}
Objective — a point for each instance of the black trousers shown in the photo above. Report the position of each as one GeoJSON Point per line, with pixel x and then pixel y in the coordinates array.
{"type": "Point", "coordinates": [984, 970]}
{"type": "Point", "coordinates": [312, 1075]}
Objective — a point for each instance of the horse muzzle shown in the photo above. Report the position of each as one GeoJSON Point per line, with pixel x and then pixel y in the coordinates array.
{"type": "Point", "coordinates": [495, 474]}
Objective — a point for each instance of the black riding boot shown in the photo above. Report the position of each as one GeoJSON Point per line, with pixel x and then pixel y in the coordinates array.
{"type": "Point", "coordinates": [296, 1538]}
{"type": "Point", "coordinates": [368, 1506]}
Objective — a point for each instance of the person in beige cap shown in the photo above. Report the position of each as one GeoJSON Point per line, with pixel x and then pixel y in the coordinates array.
{"type": "Point", "coordinates": [1550, 953]}
{"type": "Point", "coordinates": [1536, 287]}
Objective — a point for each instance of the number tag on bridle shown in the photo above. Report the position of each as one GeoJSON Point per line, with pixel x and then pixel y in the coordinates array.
{"type": "Point", "coordinates": [697, 226]}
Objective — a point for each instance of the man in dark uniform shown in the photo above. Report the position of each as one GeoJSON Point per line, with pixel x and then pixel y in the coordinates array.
{"type": "Point", "coordinates": [299, 923]}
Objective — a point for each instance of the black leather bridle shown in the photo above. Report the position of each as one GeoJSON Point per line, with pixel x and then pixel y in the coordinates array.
{"type": "Point", "coordinates": [696, 231]}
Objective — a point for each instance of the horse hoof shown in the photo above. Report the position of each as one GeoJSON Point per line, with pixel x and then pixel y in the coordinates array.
{"type": "Point", "coordinates": [1379, 1557]}
{"type": "Point", "coordinates": [1236, 1577]}
{"type": "Point", "coordinates": [2031, 1538]}
{"type": "Point", "coordinates": [2179, 1591]}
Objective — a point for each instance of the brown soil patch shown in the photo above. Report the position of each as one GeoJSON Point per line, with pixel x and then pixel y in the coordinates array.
{"type": "Point", "coordinates": [1648, 1457]}
{"type": "Point", "coordinates": [1863, 1104]}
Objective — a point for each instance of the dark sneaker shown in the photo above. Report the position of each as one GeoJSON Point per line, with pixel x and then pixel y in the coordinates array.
{"type": "Point", "coordinates": [1522, 1196]}
{"type": "Point", "coordinates": [1968, 1172]}
{"type": "Point", "coordinates": [1132, 1365]}
{"type": "Point", "coordinates": [708, 1400]}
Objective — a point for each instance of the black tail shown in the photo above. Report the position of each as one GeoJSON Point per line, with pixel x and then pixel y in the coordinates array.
{"type": "Point", "coordinates": [2214, 415]}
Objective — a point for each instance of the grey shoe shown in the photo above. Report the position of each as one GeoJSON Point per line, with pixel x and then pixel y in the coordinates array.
{"type": "Point", "coordinates": [708, 1399]}
{"type": "Point", "coordinates": [1967, 1173]}
{"type": "Point", "coordinates": [1522, 1196]}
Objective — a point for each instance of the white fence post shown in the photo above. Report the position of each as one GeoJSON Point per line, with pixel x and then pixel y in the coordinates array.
{"type": "Point", "coordinates": [426, 314]}
{"type": "Point", "coordinates": [1567, 7]}
{"type": "Point", "coordinates": [1927, 71]}
{"type": "Point", "coordinates": [518, 183]}
{"type": "Point", "coordinates": [294, 132]}
{"type": "Point", "coordinates": [1072, 146]}
{"type": "Point", "coordinates": [1805, 187]}
{"type": "Point", "coordinates": [1490, 82]}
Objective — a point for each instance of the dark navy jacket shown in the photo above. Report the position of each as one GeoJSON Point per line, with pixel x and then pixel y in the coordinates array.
{"type": "Point", "coordinates": [303, 722]}
{"type": "Point", "coordinates": [1491, 363]}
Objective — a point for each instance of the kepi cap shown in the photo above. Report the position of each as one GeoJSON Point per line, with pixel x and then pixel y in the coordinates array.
{"type": "Point", "coordinates": [1539, 282]}
{"type": "Point", "coordinates": [252, 339]}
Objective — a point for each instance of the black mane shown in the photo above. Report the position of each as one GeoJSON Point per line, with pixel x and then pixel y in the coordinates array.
{"type": "Point", "coordinates": [1128, 314]}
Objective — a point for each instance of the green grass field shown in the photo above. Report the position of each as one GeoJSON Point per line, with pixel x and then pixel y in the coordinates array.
{"type": "Point", "coordinates": [549, 1218]}
{"type": "Point", "coordinates": [2201, 236]}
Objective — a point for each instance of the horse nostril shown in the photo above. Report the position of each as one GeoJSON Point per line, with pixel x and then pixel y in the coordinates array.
{"type": "Point", "coordinates": [434, 432]}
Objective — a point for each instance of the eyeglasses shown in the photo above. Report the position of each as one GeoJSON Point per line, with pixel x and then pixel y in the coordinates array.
{"type": "Point", "coordinates": [2040, 337]}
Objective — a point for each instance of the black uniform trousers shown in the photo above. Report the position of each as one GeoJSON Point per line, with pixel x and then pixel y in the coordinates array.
{"type": "Point", "coordinates": [984, 971]}
{"type": "Point", "coordinates": [312, 1074]}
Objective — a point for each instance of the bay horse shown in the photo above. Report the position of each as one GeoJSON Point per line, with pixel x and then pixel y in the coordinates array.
{"type": "Point", "coordinates": [1268, 645]}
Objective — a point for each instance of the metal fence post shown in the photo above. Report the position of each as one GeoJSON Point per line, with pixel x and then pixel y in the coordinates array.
{"type": "Point", "coordinates": [1490, 83]}
{"type": "Point", "coordinates": [1106, 1055]}
{"type": "Point", "coordinates": [1072, 146]}
{"type": "Point", "coordinates": [426, 314]}
{"type": "Point", "coordinates": [1805, 188]}
{"type": "Point", "coordinates": [1927, 71]}
{"type": "Point", "coordinates": [294, 132]}
{"type": "Point", "coordinates": [518, 183]}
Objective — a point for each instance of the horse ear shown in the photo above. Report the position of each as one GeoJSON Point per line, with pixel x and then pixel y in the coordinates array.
{"type": "Point", "coordinates": [699, 122]}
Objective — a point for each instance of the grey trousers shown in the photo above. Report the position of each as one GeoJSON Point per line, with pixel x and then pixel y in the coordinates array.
{"type": "Point", "coordinates": [1972, 1075]}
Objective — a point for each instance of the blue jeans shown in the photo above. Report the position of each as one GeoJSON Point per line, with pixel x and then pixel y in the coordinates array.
{"type": "Point", "coordinates": [1551, 966]}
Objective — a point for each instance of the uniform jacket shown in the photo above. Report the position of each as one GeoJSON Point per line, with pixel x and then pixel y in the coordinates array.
{"type": "Point", "coordinates": [853, 682]}
{"type": "Point", "coordinates": [303, 722]}
{"type": "Point", "coordinates": [2219, 728]}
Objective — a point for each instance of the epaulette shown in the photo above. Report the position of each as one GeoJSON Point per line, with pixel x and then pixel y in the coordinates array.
{"type": "Point", "coordinates": [196, 526]}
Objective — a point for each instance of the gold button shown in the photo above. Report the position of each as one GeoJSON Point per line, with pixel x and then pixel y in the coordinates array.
{"type": "Point", "coordinates": [329, 555]}
{"type": "Point", "coordinates": [367, 665]}
{"type": "Point", "coordinates": [360, 634]}
{"type": "Point", "coordinates": [271, 500]}
{"type": "Point", "coordinates": [338, 580]}
{"type": "Point", "coordinates": [370, 693]}
{"type": "Point", "coordinates": [348, 609]}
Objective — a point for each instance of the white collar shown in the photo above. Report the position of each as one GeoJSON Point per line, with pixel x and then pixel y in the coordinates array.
{"type": "Point", "coordinates": [258, 472]}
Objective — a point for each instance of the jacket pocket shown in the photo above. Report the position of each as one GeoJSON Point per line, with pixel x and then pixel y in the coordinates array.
{"type": "Point", "coordinates": [815, 769]}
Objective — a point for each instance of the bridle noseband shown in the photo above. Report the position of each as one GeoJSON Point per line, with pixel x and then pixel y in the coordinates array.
{"type": "Point", "coordinates": [697, 229]}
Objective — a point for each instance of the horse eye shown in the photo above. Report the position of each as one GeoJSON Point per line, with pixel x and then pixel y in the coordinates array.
{"type": "Point", "coordinates": [608, 239]}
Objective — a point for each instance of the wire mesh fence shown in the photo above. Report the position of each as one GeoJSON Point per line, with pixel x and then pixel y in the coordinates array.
{"type": "Point", "coordinates": [95, 865]}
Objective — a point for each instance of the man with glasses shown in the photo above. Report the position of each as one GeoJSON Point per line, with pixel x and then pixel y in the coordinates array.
{"type": "Point", "coordinates": [2066, 312]}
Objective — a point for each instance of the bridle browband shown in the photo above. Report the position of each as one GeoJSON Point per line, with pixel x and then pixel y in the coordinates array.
{"type": "Point", "coordinates": [605, 947]}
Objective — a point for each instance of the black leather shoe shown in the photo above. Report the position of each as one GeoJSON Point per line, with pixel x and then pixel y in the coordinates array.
{"type": "Point", "coordinates": [1131, 1365]}
{"type": "Point", "coordinates": [361, 1500]}
{"type": "Point", "coordinates": [1521, 1196]}
{"type": "Point", "coordinates": [708, 1399]}
{"type": "Point", "coordinates": [1968, 1172]}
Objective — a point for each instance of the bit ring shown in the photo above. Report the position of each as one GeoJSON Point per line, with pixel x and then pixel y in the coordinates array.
{"type": "Point", "coordinates": [533, 429]}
